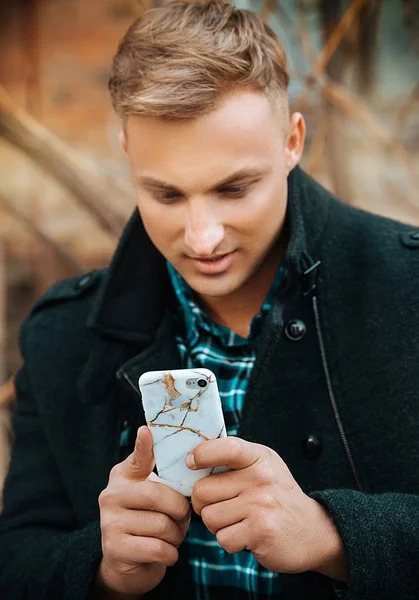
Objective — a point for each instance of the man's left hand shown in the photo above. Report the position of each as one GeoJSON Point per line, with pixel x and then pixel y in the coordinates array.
{"type": "Point", "coordinates": [259, 506]}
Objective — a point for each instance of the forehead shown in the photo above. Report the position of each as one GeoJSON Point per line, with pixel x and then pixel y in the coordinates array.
{"type": "Point", "coordinates": [242, 131]}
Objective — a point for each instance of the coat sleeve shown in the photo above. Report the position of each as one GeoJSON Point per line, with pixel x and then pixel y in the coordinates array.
{"type": "Point", "coordinates": [380, 534]}
{"type": "Point", "coordinates": [44, 554]}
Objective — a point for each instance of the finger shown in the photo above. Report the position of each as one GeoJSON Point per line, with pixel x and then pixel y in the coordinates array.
{"type": "Point", "coordinates": [139, 550]}
{"type": "Point", "coordinates": [184, 523]}
{"type": "Point", "coordinates": [148, 523]}
{"type": "Point", "coordinates": [151, 495]}
{"type": "Point", "coordinates": [217, 488]}
{"type": "Point", "coordinates": [230, 452]}
{"type": "Point", "coordinates": [234, 538]}
{"type": "Point", "coordinates": [223, 514]}
{"type": "Point", "coordinates": [138, 465]}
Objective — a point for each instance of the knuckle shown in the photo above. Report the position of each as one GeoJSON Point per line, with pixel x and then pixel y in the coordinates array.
{"type": "Point", "coordinates": [235, 448]}
{"type": "Point", "coordinates": [207, 515]}
{"type": "Point", "coordinates": [265, 473]}
{"type": "Point", "coordinates": [264, 523]}
{"type": "Point", "coordinates": [266, 499]}
{"type": "Point", "coordinates": [103, 497]}
{"type": "Point", "coordinates": [184, 510]}
{"type": "Point", "coordinates": [106, 497]}
{"type": "Point", "coordinates": [165, 553]}
{"type": "Point", "coordinates": [225, 542]}
{"type": "Point", "coordinates": [172, 557]}
{"type": "Point", "coordinates": [163, 525]}
{"type": "Point", "coordinates": [160, 550]}
{"type": "Point", "coordinates": [200, 489]}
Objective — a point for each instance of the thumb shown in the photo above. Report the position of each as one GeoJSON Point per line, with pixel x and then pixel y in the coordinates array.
{"type": "Point", "coordinates": [138, 465]}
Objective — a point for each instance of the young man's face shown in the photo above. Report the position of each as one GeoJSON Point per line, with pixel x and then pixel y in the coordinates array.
{"type": "Point", "coordinates": [212, 191]}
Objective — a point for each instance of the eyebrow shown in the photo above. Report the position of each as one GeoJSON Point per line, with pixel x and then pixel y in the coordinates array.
{"type": "Point", "coordinates": [245, 173]}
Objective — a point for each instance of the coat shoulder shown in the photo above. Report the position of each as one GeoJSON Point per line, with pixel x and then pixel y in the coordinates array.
{"type": "Point", "coordinates": [62, 312]}
{"type": "Point", "coordinates": [370, 266]}
{"type": "Point", "coordinates": [76, 288]}
{"type": "Point", "coordinates": [373, 239]}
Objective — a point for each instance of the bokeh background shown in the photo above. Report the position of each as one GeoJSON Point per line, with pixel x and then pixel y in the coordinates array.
{"type": "Point", "coordinates": [65, 192]}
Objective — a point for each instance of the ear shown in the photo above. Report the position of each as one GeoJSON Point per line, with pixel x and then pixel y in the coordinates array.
{"type": "Point", "coordinates": [295, 141]}
{"type": "Point", "coordinates": [123, 139]}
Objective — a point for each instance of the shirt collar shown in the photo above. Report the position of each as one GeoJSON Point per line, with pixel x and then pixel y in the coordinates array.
{"type": "Point", "coordinates": [195, 320]}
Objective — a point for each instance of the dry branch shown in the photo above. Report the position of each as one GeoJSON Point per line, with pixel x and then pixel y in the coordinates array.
{"type": "Point", "coordinates": [338, 34]}
{"type": "Point", "coordinates": [329, 47]}
{"type": "Point", "coordinates": [62, 254]}
{"type": "Point", "coordinates": [354, 108]}
{"type": "Point", "coordinates": [328, 128]}
{"type": "Point", "coordinates": [318, 148]}
{"type": "Point", "coordinates": [349, 103]}
{"type": "Point", "coordinates": [48, 151]}
{"type": "Point", "coordinates": [7, 393]}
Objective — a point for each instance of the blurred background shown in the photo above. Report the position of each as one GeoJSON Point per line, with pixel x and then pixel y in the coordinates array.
{"type": "Point", "coordinates": [65, 192]}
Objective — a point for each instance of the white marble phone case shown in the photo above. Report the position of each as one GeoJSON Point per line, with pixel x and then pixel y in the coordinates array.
{"type": "Point", "coordinates": [181, 415]}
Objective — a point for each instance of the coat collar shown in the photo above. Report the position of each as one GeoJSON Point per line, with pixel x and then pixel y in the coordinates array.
{"type": "Point", "coordinates": [136, 292]}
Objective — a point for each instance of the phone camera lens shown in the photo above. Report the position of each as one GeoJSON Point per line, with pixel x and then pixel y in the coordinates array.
{"type": "Point", "coordinates": [202, 383]}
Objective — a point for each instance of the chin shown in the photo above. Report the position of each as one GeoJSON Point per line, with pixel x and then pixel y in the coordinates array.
{"type": "Point", "coordinates": [215, 287]}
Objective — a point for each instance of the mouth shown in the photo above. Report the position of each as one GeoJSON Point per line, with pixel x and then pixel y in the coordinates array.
{"type": "Point", "coordinates": [213, 265]}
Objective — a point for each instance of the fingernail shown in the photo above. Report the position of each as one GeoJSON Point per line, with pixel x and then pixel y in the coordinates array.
{"type": "Point", "coordinates": [190, 461]}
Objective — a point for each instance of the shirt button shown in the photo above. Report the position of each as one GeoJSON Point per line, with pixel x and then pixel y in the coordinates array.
{"type": "Point", "coordinates": [312, 447]}
{"type": "Point", "coordinates": [410, 239]}
{"type": "Point", "coordinates": [84, 282]}
{"type": "Point", "coordinates": [295, 330]}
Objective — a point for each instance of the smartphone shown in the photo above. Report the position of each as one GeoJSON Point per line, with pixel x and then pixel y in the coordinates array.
{"type": "Point", "coordinates": [182, 409]}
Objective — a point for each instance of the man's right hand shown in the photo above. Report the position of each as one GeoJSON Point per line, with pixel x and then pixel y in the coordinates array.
{"type": "Point", "coordinates": [142, 522]}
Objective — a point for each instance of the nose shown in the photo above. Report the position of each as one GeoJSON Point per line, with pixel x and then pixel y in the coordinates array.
{"type": "Point", "coordinates": [203, 230]}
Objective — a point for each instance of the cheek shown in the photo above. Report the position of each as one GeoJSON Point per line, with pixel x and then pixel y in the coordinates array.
{"type": "Point", "coordinates": [260, 214]}
{"type": "Point", "coordinates": [159, 222]}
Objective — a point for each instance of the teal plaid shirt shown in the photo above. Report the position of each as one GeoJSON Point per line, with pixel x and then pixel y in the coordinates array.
{"type": "Point", "coordinates": [212, 572]}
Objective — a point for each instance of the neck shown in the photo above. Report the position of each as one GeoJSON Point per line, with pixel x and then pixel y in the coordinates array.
{"type": "Point", "coordinates": [237, 310]}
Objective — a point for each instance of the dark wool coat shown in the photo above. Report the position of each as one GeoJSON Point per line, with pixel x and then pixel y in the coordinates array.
{"type": "Point", "coordinates": [335, 391]}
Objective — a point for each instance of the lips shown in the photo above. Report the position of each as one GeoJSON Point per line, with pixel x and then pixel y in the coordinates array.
{"type": "Point", "coordinates": [213, 266]}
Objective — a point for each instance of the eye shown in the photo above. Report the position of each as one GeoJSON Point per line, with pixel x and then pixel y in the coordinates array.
{"type": "Point", "coordinates": [232, 190]}
{"type": "Point", "coordinates": [167, 197]}
{"type": "Point", "coordinates": [236, 191]}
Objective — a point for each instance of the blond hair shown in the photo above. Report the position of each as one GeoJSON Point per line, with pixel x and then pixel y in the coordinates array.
{"type": "Point", "coordinates": [177, 61]}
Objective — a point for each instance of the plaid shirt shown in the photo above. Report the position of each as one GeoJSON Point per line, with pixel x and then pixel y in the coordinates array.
{"type": "Point", "coordinates": [213, 573]}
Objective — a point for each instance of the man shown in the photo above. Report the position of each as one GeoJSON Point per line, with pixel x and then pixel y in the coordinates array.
{"type": "Point", "coordinates": [302, 306]}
